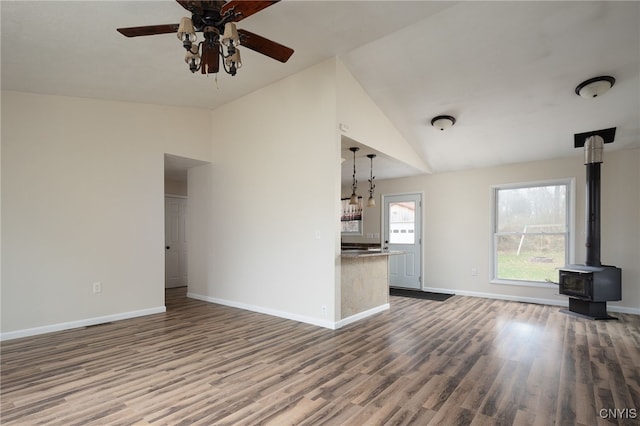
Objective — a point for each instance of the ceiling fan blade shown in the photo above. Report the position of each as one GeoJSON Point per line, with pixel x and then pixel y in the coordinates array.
{"type": "Point", "coordinates": [148, 30]}
{"type": "Point", "coordinates": [210, 59]}
{"type": "Point", "coordinates": [199, 7]}
{"type": "Point", "coordinates": [245, 8]}
{"type": "Point", "coordinates": [265, 46]}
{"type": "Point", "coordinates": [191, 6]}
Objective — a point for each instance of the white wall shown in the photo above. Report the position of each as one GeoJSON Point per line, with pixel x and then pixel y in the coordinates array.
{"type": "Point", "coordinates": [200, 219]}
{"type": "Point", "coordinates": [457, 219]}
{"type": "Point", "coordinates": [273, 195]}
{"type": "Point", "coordinates": [367, 124]}
{"type": "Point", "coordinates": [82, 201]}
{"type": "Point", "coordinates": [175, 187]}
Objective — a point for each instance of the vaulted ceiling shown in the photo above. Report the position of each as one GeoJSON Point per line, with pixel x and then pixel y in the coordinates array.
{"type": "Point", "coordinates": [506, 70]}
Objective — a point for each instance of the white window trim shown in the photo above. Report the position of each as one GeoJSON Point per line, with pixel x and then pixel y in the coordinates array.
{"type": "Point", "coordinates": [571, 224]}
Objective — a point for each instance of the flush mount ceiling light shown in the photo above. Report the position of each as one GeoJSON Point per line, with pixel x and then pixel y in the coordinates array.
{"type": "Point", "coordinates": [595, 87]}
{"type": "Point", "coordinates": [443, 122]}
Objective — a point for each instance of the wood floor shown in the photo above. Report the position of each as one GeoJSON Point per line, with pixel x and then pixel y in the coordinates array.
{"type": "Point", "coordinates": [462, 361]}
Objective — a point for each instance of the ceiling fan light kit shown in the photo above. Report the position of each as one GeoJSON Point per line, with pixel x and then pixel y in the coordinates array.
{"type": "Point", "coordinates": [216, 20]}
{"type": "Point", "coordinates": [595, 86]}
{"type": "Point", "coordinates": [186, 33]}
{"type": "Point", "coordinates": [233, 60]}
{"type": "Point", "coordinates": [443, 122]}
{"type": "Point", "coordinates": [230, 36]}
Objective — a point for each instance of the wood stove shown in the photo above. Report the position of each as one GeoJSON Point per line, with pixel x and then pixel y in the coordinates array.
{"type": "Point", "coordinates": [592, 285]}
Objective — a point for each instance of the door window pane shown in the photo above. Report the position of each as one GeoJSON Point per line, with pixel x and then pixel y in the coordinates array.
{"type": "Point", "coordinates": [402, 218]}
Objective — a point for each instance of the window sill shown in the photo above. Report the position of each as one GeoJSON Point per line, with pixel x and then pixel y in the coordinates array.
{"type": "Point", "coordinates": [524, 283]}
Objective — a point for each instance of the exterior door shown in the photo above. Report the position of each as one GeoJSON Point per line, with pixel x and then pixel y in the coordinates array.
{"type": "Point", "coordinates": [175, 239]}
{"type": "Point", "coordinates": [402, 231]}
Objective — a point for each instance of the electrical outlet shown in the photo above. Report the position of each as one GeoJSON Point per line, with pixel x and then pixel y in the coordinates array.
{"type": "Point", "coordinates": [323, 308]}
{"type": "Point", "coordinates": [97, 287]}
{"type": "Point", "coordinates": [474, 272]}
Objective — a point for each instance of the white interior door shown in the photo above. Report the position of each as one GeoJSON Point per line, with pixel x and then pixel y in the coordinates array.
{"type": "Point", "coordinates": [403, 231]}
{"type": "Point", "coordinates": [175, 238]}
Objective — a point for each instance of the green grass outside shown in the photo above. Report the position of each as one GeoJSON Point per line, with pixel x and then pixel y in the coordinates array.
{"type": "Point", "coordinates": [522, 267]}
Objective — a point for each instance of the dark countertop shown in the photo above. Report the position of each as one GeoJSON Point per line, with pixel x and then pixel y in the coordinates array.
{"type": "Point", "coordinates": [369, 253]}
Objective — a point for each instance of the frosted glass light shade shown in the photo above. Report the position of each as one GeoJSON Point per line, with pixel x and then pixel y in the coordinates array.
{"type": "Point", "coordinates": [186, 31]}
{"type": "Point", "coordinates": [595, 87]}
{"type": "Point", "coordinates": [235, 58]}
{"type": "Point", "coordinates": [443, 122]}
{"type": "Point", "coordinates": [230, 35]}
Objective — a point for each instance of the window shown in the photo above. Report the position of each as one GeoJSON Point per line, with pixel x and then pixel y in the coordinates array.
{"type": "Point", "coordinates": [531, 231]}
{"type": "Point", "coordinates": [351, 217]}
{"type": "Point", "coordinates": [402, 222]}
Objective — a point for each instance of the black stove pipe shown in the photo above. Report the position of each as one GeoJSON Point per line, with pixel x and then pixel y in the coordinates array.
{"type": "Point", "coordinates": [593, 215]}
{"type": "Point", "coordinates": [593, 147]}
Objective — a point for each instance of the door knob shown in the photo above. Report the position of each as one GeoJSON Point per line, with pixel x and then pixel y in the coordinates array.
{"type": "Point", "coordinates": [168, 247]}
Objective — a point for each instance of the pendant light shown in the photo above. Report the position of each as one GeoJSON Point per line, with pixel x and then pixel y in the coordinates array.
{"type": "Point", "coordinates": [354, 185]}
{"type": "Point", "coordinates": [372, 186]}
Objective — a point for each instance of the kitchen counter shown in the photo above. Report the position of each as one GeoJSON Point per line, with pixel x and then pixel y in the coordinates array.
{"type": "Point", "coordinates": [364, 281]}
{"type": "Point", "coordinates": [369, 253]}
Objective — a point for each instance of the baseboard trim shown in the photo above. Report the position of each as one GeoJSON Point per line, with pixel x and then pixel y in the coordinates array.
{"type": "Point", "coordinates": [623, 309]}
{"type": "Point", "coordinates": [268, 311]}
{"type": "Point", "coordinates": [363, 315]}
{"type": "Point", "coordinates": [439, 290]}
{"type": "Point", "coordinates": [10, 335]}
{"type": "Point", "coordinates": [537, 300]}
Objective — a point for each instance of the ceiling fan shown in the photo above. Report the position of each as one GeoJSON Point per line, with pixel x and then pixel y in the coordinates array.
{"type": "Point", "coordinates": [216, 20]}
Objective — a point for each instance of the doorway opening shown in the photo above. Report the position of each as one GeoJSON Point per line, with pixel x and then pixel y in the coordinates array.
{"type": "Point", "coordinates": [176, 238]}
